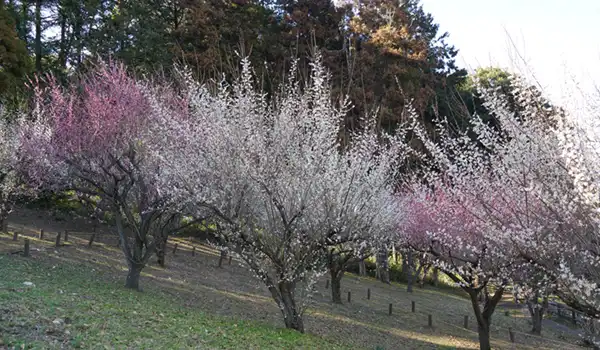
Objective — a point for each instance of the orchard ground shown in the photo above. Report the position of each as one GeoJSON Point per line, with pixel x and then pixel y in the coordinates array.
{"type": "Point", "coordinates": [77, 300]}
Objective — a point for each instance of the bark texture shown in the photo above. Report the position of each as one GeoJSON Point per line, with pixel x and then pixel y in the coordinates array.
{"type": "Point", "coordinates": [484, 317]}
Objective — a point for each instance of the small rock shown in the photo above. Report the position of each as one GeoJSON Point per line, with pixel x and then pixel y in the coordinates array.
{"type": "Point", "coordinates": [58, 321]}
{"type": "Point", "coordinates": [67, 332]}
{"type": "Point", "coordinates": [29, 284]}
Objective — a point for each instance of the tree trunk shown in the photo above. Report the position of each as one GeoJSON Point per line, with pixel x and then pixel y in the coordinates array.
{"type": "Point", "coordinates": [362, 268]}
{"type": "Point", "coordinates": [483, 331]}
{"type": "Point", "coordinates": [284, 296]}
{"type": "Point", "coordinates": [161, 250]}
{"type": "Point", "coordinates": [410, 275]}
{"type": "Point", "coordinates": [382, 266]}
{"type": "Point", "coordinates": [421, 274]}
{"type": "Point", "coordinates": [483, 324]}
{"type": "Point", "coordinates": [38, 35]}
{"type": "Point", "coordinates": [484, 317]}
{"type": "Point", "coordinates": [62, 55]}
{"type": "Point", "coordinates": [136, 252]}
{"type": "Point", "coordinates": [133, 276]}
{"type": "Point", "coordinates": [23, 26]}
{"type": "Point", "coordinates": [336, 285]}
{"type": "Point", "coordinates": [536, 310]}
{"type": "Point", "coordinates": [536, 320]}
{"type": "Point", "coordinates": [160, 257]}
{"type": "Point", "coordinates": [435, 277]}
{"type": "Point", "coordinates": [78, 36]}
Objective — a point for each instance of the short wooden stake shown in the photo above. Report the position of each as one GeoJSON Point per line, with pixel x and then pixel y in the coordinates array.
{"type": "Point", "coordinates": [573, 317]}
{"type": "Point", "coordinates": [222, 257]}
{"type": "Point", "coordinates": [413, 306]}
{"type": "Point", "coordinates": [26, 249]}
{"type": "Point", "coordinates": [390, 309]}
{"type": "Point", "coordinates": [92, 238]}
{"type": "Point", "coordinates": [15, 236]}
{"type": "Point", "coordinates": [368, 293]}
{"type": "Point", "coordinates": [466, 322]}
{"type": "Point", "coordinates": [327, 284]}
{"type": "Point", "coordinates": [41, 234]}
{"type": "Point", "coordinates": [193, 251]}
{"type": "Point", "coordinates": [66, 236]}
{"type": "Point", "coordinates": [175, 249]}
{"type": "Point", "coordinates": [430, 320]}
{"type": "Point", "coordinates": [349, 297]}
{"type": "Point", "coordinates": [229, 263]}
{"type": "Point", "coordinates": [57, 243]}
{"type": "Point", "coordinates": [511, 335]}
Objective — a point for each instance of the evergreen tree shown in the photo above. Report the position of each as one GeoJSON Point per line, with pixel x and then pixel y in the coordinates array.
{"type": "Point", "coordinates": [14, 60]}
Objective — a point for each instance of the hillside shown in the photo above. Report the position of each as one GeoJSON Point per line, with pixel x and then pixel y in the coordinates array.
{"type": "Point", "coordinates": [77, 301]}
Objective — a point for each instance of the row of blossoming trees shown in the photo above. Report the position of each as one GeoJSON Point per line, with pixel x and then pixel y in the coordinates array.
{"type": "Point", "coordinates": [513, 203]}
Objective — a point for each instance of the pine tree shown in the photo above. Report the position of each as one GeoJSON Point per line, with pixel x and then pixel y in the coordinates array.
{"type": "Point", "coordinates": [14, 60]}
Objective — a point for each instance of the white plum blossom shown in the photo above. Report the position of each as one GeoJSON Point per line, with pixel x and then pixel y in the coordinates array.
{"type": "Point", "coordinates": [274, 174]}
{"type": "Point", "coordinates": [11, 182]}
{"type": "Point", "coordinates": [500, 197]}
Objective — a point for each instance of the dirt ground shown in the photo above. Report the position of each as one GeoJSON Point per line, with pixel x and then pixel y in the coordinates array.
{"type": "Point", "coordinates": [195, 281]}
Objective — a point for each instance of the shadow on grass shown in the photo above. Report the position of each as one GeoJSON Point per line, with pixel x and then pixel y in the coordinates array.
{"type": "Point", "coordinates": [198, 285]}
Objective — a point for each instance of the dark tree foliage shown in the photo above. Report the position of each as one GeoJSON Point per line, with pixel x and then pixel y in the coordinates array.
{"type": "Point", "coordinates": [381, 55]}
{"type": "Point", "coordinates": [15, 63]}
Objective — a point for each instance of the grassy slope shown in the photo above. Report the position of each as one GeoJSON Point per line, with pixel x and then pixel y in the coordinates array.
{"type": "Point", "coordinates": [193, 292]}
{"type": "Point", "coordinates": [65, 308]}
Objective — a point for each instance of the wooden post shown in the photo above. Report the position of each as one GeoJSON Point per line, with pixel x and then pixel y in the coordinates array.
{"type": "Point", "coordinates": [413, 306]}
{"type": "Point", "coordinates": [193, 251]}
{"type": "Point", "coordinates": [26, 249]}
{"type": "Point", "coordinates": [390, 309]}
{"type": "Point", "coordinates": [57, 243]}
{"type": "Point", "coordinates": [175, 249]}
{"type": "Point", "coordinates": [368, 293]}
{"type": "Point", "coordinates": [559, 308]}
{"type": "Point", "coordinates": [41, 234]}
{"type": "Point", "coordinates": [430, 320]}
{"type": "Point", "coordinates": [511, 335]}
{"type": "Point", "coordinates": [229, 263]}
{"type": "Point", "coordinates": [349, 297]}
{"type": "Point", "coordinates": [327, 284]}
{"type": "Point", "coordinates": [66, 236]}
{"type": "Point", "coordinates": [15, 236]}
{"type": "Point", "coordinates": [466, 322]}
{"type": "Point", "coordinates": [92, 238]}
{"type": "Point", "coordinates": [573, 317]}
{"type": "Point", "coordinates": [222, 257]}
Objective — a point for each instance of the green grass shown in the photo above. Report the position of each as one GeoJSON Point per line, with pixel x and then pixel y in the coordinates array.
{"type": "Point", "coordinates": [72, 307]}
